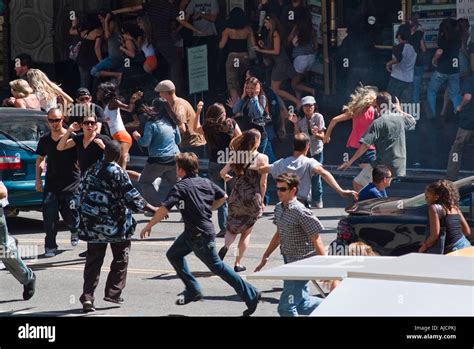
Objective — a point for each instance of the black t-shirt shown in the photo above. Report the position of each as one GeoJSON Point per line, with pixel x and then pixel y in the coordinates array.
{"type": "Point", "coordinates": [450, 54]}
{"type": "Point", "coordinates": [62, 174]}
{"type": "Point", "coordinates": [78, 110]}
{"type": "Point", "coordinates": [218, 140]}
{"type": "Point", "coordinates": [161, 14]}
{"type": "Point", "coordinates": [194, 197]}
{"type": "Point", "coordinates": [90, 155]}
{"type": "Point", "coordinates": [415, 41]}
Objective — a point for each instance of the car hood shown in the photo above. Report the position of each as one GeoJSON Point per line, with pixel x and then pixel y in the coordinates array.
{"type": "Point", "coordinates": [381, 206]}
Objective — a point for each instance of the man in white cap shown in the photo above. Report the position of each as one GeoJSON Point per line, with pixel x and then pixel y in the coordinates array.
{"type": "Point", "coordinates": [190, 140]}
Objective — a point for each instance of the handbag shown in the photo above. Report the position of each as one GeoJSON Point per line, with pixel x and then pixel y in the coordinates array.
{"type": "Point", "coordinates": [438, 247]}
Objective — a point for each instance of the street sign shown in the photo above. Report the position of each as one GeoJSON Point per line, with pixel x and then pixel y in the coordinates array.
{"type": "Point", "coordinates": [197, 69]}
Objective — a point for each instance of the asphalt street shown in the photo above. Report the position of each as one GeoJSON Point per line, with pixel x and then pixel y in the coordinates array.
{"type": "Point", "coordinates": [152, 285]}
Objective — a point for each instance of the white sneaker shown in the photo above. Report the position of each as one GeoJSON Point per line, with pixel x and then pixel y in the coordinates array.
{"type": "Point", "coordinates": [74, 239]}
{"type": "Point", "coordinates": [319, 205]}
{"type": "Point", "coordinates": [50, 252]}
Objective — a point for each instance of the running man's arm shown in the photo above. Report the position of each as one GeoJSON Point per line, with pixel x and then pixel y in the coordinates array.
{"type": "Point", "coordinates": [272, 246]}
{"type": "Point", "coordinates": [157, 218]}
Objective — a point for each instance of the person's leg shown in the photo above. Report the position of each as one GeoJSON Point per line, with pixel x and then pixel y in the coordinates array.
{"type": "Point", "coordinates": [50, 219]}
{"type": "Point", "coordinates": [175, 255]}
{"type": "Point", "coordinates": [124, 154]}
{"type": "Point", "coordinates": [206, 251]}
{"type": "Point", "coordinates": [454, 90]}
{"type": "Point", "coordinates": [10, 256]}
{"type": "Point", "coordinates": [148, 176]}
{"type": "Point", "coordinates": [86, 78]}
{"type": "Point", "coordinates": [300, 87]}
{"type": "Point", "coordinates": [317, 184]}
{"type": "Point", "coordinates": [437, 79]}
{"type": "Point", "coordinates": [308, 303]}
{"type": "Point", "coordinates": [94, 261]}
{"type": "Point", "coordinates": [117, 278]}
{"type": "Point", "coordinates": [454, 160]}
{"type": "Point", "coordinates": [363, 178]}
{"type": "Point", "coordinates": [290, 298]}
{"type": "Point", "coordinates": [101, 66]}
{"type": "Point", "coordinates": [222, 212]}
{"type": "Point", "coordinates": [276, 86]}
{"type": "Point", "coordinates": [242, 246]}
{"type": "Point", "coordinates": [68, 205]}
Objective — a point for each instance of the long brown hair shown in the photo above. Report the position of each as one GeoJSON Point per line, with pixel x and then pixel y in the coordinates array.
{"type": "Point", "coordinates": [447, 193]}
{"type": "Point", "coordinates": [246, 142]}
{"type": "Point", "coordinates": [216, 122]}
{"type": "Point", "coordinates": [261, 96]}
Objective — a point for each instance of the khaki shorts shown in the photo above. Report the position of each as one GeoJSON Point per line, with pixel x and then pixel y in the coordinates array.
{"type": "Point", "coordinates": [365, 176]}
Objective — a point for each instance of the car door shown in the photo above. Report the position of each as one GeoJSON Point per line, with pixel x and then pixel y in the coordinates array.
{"type": "Point", "coordinates": [466, 203]}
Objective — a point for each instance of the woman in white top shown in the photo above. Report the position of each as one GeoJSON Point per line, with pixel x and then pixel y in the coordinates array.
{"type": "Point", "coordinates": [107, 94]}
{"type": "Point", "coordinates": [47, 91]}
{"type": "Point", "coordinates": [145, 43]}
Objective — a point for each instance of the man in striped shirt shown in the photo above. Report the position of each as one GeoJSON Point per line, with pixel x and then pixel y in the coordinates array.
{"type": "Point", "coordinates": [298, 237]}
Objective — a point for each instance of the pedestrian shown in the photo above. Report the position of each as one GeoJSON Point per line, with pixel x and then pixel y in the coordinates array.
{"type": "Point", "coordinates": [49, 93]}
{"type": "Point", "coordinates": [61, 183]}
{"type": "Point", "coordinates": [381, 179]}
{"type": "Point", "coordinates": [387, 134]}
{"type": "Point", "coordinates": [162, 137]}
{"type": "Point", "coordinates": [219, 131]}
{"type": "Point", "coordinates": [361, 111]}
{"type": "Point", "coordinates": [107, 94]}
{"type": "Point", "coordinates": [246, 200]}
{"type": "Point", "coordinates": [89, 144]}
{"type": "Point", "coordinates": [9, 254]}
{"type": "Point", "coordinates": [190, 139]}
{"type": "Point", "coordinates": [251, 110]}
{"type": "Point", "coordinates": [23, 96]}
{"type": "Point", "coordinates": [107, 199]}
{"type": "Point", "coordinates": [312, 124]}
{"type": "Point", "coordinates": [305, 168]}
{"type": "Point", "coordinates": [402, 66]}
{"type": "Point", "coordinates": [196, 198]}
{"type": "Point", "coordinates": [418, 42]}
{"type": "Point", "coordinates": [465, 132]}
{"type": "Point", "coordinates": [298, 235]}
{"type": "Point", "coordinates": [442, 198]}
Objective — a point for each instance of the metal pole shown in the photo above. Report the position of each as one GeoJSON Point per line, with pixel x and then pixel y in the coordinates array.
{"type": "Point", "coordinates": [324, 9]}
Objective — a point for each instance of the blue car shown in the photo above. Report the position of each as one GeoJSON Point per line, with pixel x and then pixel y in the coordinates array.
{"type": "Point", "coordinates": [395, 226]}
{"type": "Point", "coordinates": [20, 132]}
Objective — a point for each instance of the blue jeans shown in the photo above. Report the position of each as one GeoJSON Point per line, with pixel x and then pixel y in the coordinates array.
{"type": "Point", "coordinates": [53, 203]}
{"type": "Point", "coordinates": [213, 173]}
{"type": "Point", "coordinates": [205, 250]}
{"type": "Point", "coordinates": [295, 299]}
{"type": "Point", "coordinates": [263, 146]}
{"type": "Point", "coordinates": [316, 183]}
{"type": "Point", "coordinates": [459, 245]}
{"type": "Point", "coordinates": [437, 80]}
{"type": "Point", "coordinates": [105, 64]}
{"type": "Point", "coordinates": [10, 256]}
{"type": "Point", "coordinates": [269, 150]}
{"type": "Point", "coordinates": [418, 83]}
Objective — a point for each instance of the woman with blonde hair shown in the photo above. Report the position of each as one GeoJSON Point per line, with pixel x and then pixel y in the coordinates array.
{"type": "Point", "coordinates": [246, 200]}
{"type": "Point", "coordinates": [47, 91]}
{"type": "Point", "coordinates": [23, 96]}
{"type": "Point", "coordinates": [361, 111]}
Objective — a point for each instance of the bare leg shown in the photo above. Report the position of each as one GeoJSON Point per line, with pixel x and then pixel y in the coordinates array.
{"type": "Point", "coordinates": [124, 154]}
{"type": "Point", "coordinates": [229, 239]}
{"type": "Point", "coordinates": [298, 86]}
{"type": "Point", "coordinates": [134, 176]}
{"type": "Point", "coordinates": [243, 245]}
{"type": "Point", "coordinates": [284, 95]}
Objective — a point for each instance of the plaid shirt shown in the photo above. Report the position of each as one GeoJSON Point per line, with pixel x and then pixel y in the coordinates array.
{"type": "Point", "coordinates": [296, 225]}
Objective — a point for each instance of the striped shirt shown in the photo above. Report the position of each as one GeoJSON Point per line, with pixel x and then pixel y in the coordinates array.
{"type": "Point", "coordinates": [296, 225]}
{"type": "Point", "coordinates": [161, 14]}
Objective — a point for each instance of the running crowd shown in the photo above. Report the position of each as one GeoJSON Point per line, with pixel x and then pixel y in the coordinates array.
{"type": "Point", "coordinates": [87, 151]}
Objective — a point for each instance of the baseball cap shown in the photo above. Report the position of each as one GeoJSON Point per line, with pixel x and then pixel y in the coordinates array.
{"type": "Point", "coordinates": [165, 86]}
{"type": "Point", "coordinates": [82, 92]}
{"type": "Point", "coordinates": [308, 100]}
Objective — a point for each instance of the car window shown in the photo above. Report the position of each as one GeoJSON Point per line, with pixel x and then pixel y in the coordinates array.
{"type": "Point", "coordinates": [465, 205]}
{"type": "Point", "coordinates": [28, 131]}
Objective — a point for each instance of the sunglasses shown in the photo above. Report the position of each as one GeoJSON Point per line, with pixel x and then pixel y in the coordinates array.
{"type": "Point", "coordinates": [283, 189]}
{"type": "Point", "coordinates": [84, 99]}
{"type": "Point", "coordinates": [89, 123]}
{"type": "Point", "coordinates": [54, 121]}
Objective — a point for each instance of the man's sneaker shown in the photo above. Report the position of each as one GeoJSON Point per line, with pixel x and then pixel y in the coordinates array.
{"type": "Point", "coordinates": [118, 300]}
{"type": "Point", "coordinates": [319, 205]}
{"type": "Point", "coordinates": [183, 299]}
{"type": "Point", "coordinates": [252, 307]}
{"type": "Point", "coordinates": [50, 252]}
{"type": "Point", "coordinates": [74, 239]}
{"type": "Point", "coordinates": [29, 288]}
{"type": "Point", "coordinates": [88, 307]}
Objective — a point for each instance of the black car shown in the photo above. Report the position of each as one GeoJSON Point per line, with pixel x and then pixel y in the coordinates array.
{"type": "Point", "coordinates": [395, 226]}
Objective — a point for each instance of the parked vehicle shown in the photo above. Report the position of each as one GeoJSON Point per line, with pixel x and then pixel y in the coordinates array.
{"type": "Point", "coordinates": [20, 132]}
{"type": "Point", "coordinates": [395, 226]}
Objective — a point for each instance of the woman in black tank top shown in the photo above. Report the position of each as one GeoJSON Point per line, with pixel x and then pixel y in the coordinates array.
{"type": "Point", "coordinates": [443, 206]}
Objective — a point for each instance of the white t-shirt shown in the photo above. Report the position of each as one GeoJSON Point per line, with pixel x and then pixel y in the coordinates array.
{"type": "Point", "coordinates": [199, 6]}
{"type": "Point", "coordinates": [302, 166]}
{"type": "Point", "coordinates": [114, 120]}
